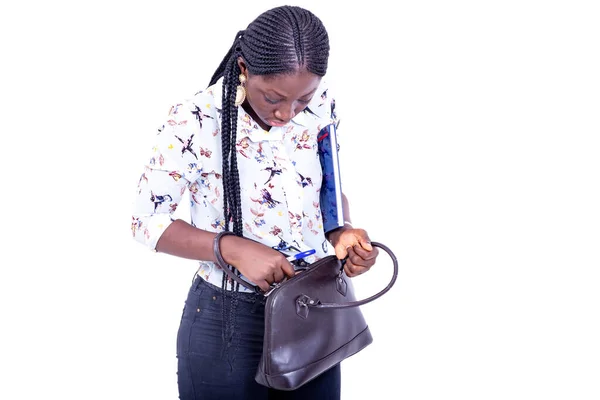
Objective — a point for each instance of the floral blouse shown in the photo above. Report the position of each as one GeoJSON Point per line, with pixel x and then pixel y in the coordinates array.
{"type": "Point", "coordinates": [279, 171]}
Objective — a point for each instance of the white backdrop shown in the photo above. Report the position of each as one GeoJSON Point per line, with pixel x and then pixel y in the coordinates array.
{"type": "Point", "coordinates": [480, 159]}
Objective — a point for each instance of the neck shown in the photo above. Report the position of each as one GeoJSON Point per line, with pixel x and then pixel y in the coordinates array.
{"type": "Point", "coordinates": [246, 106]}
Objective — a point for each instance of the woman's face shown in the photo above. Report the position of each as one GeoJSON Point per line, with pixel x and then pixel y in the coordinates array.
{"type": "Point", "coordinates": [274, 100]}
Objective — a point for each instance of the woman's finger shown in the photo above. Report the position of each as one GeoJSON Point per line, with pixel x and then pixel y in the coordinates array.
{"type": "Point", "coordinates": [287, 269]}
{"type": "Point", "coordinates": [354, 265]}
{"type": "Point", "coordinates": [278, 275]}
{"type": "Point", "coordinates": [366, 254]}
{"type": "Point", "coordinates": [354, 270]}
{"type": "Point", "coordinates": [264, 285]}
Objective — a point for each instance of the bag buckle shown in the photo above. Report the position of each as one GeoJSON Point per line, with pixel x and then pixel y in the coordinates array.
{"type": "Point", "coordinates": [303, 302]}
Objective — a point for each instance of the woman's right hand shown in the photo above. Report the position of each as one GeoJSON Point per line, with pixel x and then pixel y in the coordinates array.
{"type": "Point", "coordinates": [260, 264]}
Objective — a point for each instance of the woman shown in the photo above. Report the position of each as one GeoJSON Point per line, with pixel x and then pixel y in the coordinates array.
{"type": "Point", "coordinates": [246, 151]}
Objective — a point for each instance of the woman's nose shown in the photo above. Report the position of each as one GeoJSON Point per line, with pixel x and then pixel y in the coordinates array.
{"type": "Point", "coordinates": [285, 112]}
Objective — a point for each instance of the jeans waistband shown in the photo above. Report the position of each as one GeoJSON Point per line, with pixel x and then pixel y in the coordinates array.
{"type": "Point", "coordinates": [243, 296]}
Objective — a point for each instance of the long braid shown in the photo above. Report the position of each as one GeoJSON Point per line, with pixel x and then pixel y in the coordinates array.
{"type": "Point", "coordinates": [282, 40]}
{"type": "Point", "coordinates": [229, 70]}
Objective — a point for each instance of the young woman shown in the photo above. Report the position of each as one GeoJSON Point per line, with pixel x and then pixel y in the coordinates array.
{"type": "Point", "coordinates": [245, 150]}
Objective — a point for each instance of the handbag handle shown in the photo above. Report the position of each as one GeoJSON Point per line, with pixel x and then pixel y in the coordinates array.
{"type": "Point", "coordinates": [225, 267]}
{"type": "Point", "coordinates": [305, 300]}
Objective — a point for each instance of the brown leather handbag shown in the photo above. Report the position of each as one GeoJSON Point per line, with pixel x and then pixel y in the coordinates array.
{"type": "Point", "coordinates": [312, 321]}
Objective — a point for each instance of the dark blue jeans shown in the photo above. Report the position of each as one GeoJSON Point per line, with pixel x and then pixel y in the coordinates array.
{"type": "Point", "coordinates": [214, 363]}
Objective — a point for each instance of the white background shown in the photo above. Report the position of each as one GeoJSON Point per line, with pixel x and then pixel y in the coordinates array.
{"type": "Point", "coordinates": [470, 148]}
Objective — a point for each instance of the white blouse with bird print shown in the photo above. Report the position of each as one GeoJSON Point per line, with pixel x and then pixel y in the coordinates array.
{"type": "Point", "coordinates": [279, 172]}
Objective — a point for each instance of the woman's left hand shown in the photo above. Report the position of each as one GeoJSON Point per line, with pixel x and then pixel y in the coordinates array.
{"type": "Point", "coordinates": [356, 245]}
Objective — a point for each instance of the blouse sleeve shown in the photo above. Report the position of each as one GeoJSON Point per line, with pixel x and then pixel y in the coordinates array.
{"type": "Point", "coordinates": [171, 168]}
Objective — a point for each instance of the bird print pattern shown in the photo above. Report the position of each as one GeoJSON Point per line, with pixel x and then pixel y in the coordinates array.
{"type": "Point", "coordinates": [280, 176]}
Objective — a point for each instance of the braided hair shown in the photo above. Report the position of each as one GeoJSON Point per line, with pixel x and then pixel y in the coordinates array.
{"type": "Point", "coordinates": [282, 40]}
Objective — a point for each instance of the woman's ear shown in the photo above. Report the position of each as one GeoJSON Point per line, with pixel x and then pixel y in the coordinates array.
{"type": "Point", "coordinates": [242, 65]}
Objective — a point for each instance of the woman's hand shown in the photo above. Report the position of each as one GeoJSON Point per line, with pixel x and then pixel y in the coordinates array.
{"type": "Point", "coordinates": [260, 264]}
{"type": "Point", "coordinates": [356, 245]}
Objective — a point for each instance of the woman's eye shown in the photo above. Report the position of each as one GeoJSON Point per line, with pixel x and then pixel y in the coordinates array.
{"type": "Point", "coordinates": [271, 101]}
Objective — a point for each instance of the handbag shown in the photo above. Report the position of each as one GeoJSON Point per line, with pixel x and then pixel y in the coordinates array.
{"type": "Point", "coordinates": [312, 321]}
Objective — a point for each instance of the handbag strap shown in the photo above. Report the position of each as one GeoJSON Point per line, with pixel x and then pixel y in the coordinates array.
{"type": "Point", "coordinates": [305, 300]}
{"type": "Point", "coordinates": [225, 267]}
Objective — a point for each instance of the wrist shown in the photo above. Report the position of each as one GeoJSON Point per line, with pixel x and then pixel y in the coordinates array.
{"type": "Point", "coordinates": [334, 235]}
{"type": "Point", "coordinates": [222, 246]}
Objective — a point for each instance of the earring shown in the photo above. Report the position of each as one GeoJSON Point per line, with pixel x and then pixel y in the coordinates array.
{"type": "Point", "coordinates": [240, 93]}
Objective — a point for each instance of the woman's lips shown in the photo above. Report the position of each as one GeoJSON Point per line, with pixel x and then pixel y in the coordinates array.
{"type": "Point", "coordinates": [276, 123]}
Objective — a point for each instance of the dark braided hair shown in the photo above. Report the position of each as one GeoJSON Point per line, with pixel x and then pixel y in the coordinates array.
{"type": "Point", "coordinates": [282, 40]}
